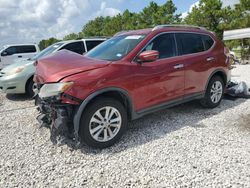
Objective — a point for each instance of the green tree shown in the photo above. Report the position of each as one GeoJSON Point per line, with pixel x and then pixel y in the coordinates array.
{"type": "Point", "coordinates": [207, 14]}
{"type": "Point", "coordinates": [45, 43]}
{"type": "Point", "coordinates": [71, 36]}
{"type": "Point", "coordinates": [150, 16]}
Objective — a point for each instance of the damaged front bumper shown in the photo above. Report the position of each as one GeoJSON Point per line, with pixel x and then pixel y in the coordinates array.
{"type": "Point", "coordinates": [58, 117]}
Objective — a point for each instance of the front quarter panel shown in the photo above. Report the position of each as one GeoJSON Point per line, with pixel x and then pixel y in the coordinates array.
{"type": "Point", "coordinates": [116, 75]}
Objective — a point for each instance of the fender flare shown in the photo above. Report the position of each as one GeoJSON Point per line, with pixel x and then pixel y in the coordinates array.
{"type": "Point", "coordinates": [215, 72]}
{"type": "Point", "coordinates": [78, 114]}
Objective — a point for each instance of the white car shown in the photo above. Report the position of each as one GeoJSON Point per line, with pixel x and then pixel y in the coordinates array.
{"type": "Point", "coordinates": [10, 53]}
{"type": "Point", "coordinates": [18, 77]}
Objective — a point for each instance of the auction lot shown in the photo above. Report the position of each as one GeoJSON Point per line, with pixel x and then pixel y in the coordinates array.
{"type": "Point", "coordinates": [186, 145]}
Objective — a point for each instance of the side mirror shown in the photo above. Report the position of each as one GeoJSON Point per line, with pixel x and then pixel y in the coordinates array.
{"type": "Point", "coordinates": [4, 53]}
{"type": "Point", "coordinates": [148, 56]}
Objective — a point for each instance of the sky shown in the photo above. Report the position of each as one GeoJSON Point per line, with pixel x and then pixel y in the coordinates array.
{"type": "Point", "coordinates": [29, 21]}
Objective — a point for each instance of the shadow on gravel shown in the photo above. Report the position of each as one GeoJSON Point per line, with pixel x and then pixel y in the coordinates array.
{"type": "Point", "coordinates": [245, 122]}
{"type": "Point", "coordinates": [18, 97]}
{"type": "Point", "coordinates": [160, 124]}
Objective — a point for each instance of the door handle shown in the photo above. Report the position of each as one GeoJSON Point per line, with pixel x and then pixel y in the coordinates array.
{"type": "Point", "coordinates": [210, 59]}
{"type": "Point", "coordinates": [178, 66]}
{"type": "Point", "coordinates": [19, 56]}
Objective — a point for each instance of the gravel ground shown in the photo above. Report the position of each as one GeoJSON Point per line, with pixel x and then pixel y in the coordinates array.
{"type": "Point", "coordinates": [185, 146]}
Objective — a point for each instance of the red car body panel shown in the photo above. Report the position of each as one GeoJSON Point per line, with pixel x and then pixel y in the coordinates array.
{"type": "Point", "coordinates": [147, 84]}
{"type": "Point", "coordinates": [64, 63]}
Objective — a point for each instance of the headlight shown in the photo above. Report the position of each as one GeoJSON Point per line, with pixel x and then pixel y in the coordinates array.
{"type": "Point", "coordinates": [16, 70]}
{"type": "Point", "coordinates": [50, 90]}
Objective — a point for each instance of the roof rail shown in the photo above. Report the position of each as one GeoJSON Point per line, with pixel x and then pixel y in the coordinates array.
{"type": "Point", "coordinates": [178, 25]}
{"type": "Point", "coordinates": [121, 32]}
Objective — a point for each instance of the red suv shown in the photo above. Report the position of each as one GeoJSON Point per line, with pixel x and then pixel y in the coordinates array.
{"type": "Point", "coordinates": [92, 97]}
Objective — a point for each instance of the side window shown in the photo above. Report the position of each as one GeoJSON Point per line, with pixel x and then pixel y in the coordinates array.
{"type": "Point", "coordinates": [26, 49]}
{"type": "Point", "coordinates": [11, 50]}
{"type": "Point", "coordinates": [189, 43]}
{"type": "Point", "coordinates": [164, 44]}
{"type": "Point", "coordinates": [208, 41]}
{"type": "Point", "coordinates": [76, 47]}
{"type": "Point", "coordinates": [91, 44]}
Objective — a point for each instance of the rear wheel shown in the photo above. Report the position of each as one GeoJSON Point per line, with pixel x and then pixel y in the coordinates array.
{"type": "Point", "coordinates": [214, 92]}
{"type": "Point", "coordinates": [103, 123]}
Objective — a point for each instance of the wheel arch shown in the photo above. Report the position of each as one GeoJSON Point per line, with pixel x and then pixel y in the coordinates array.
{"type": "Point", "coordinates": [27, 81]}
{"type": "Point", "coordinates": [118, 93]}
{"type": "Point", "coordinates": [218, 72]}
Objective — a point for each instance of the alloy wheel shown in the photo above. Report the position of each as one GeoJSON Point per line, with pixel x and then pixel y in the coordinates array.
{"type": "Point", "coordinates": [105, 124]}
{"type": "Point", "coordinates": [216, 92]}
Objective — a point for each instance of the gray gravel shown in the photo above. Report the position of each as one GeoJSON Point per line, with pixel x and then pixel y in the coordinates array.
{"type": "Point", "coordinates": [185, 146]}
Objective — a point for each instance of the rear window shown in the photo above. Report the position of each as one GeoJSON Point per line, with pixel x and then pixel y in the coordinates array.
{"type": "Point", "coordinates": [26, 49]}
{"type": "Point", "coordinates": [208, 42]}
{"type": "Point", "coordinates": [189, 43]}
{"type": "Point", "coordinates": [91, 44]}
{"type": "Point", "coordinates": [21, 49]}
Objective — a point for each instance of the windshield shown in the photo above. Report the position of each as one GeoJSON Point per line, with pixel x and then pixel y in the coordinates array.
{"type": "Point", "coordinates": [47, 51]}
{"type": "Point", "coordinates": [115, 48]}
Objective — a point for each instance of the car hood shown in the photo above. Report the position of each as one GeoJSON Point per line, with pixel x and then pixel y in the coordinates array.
{"type": "Point", "coordinates": [10, 68]}
{"type": "Point", "coordinates": [59, 65]}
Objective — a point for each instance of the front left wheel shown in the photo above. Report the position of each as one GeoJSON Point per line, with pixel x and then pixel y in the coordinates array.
{"type": "Point", "coordinates": [103, 123]}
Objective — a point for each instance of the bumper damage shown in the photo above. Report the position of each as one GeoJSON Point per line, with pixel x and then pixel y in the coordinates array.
{"type": "Point", "coordinates": [58, 118]}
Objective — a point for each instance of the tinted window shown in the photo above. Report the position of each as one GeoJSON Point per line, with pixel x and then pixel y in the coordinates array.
{"type": "Point", "coordinates": [26, 49]}
{"type": "Point", "coordinates": [11, 50]}
{"type": "Point", "coordinates": [164, 44]}
{"type": "Point", "coordinates": [76, 47]}
{"type": "Point", "coordinates": [208, 41]}
{"type": "Point", "coordinates": [92, 44]}
{"type": "Point", "coordinates": [47, 51]}
{"type": "Point", "coordinates": [189, 43]}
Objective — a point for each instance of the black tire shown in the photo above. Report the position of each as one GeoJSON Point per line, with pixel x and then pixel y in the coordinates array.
{"type": "Point", "coordinates": [29, 88]}
{"type": "Point", "coordinates": [92, 108]}
{"type": "Point", "coordinates": [207, 100]}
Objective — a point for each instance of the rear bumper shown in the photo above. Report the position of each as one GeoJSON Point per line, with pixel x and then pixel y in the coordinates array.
{"type": "Point", "coordinates": [10, 84]}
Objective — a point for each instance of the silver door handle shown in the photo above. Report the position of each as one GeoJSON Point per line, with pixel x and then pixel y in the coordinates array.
{"type": "Point", "coordinates": [210, 59]}
{"type": "Point", "coordinates": [179, 66]}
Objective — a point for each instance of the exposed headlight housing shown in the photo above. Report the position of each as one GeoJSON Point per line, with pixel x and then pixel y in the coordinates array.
{"type": "Point", "coordinates": [54, 89]}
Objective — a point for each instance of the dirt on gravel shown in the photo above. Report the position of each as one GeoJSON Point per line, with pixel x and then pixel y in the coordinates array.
{"type": "Point", "coordinates": [184, 146]}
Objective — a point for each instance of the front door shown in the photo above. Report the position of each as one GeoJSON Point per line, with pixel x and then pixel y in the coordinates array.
{"type": "Point", "coordinates": [160, 81]}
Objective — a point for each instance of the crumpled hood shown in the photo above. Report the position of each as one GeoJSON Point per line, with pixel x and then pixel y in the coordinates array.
{"type": "Point", "coordinates": [64, 63]}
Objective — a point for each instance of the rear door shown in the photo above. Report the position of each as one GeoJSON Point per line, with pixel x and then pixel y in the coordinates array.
{"type": "Point", "coordinates": [197, 59]}
{"type": "Point", "coordinates": [160, 81]}
{"type": "Point", "coordinates": [25, 52]}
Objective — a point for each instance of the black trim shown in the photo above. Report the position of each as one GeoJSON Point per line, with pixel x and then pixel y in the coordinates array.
{"type": "Point", "coordinates": [213, 73]}
{"type": "Point", "coordinates": [134, 114]}
{"type": "Point", "coordinates": [67, 96]}
{"type": "Point", "coordinates": [169, 104]}
{"type": "Point", "coordinates": [78, 114]}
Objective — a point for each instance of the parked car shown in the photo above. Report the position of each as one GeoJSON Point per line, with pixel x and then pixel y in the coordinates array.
{"type": "Point", "coordinates": [130, 75]}
{"type": "Point", "coordinates": [10, 53]}
{"type": "Point", "coordinates": [18, 77]}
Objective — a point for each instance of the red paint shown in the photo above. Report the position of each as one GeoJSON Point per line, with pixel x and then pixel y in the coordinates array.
{"type": "Point", "coordinates": [147, 84]}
